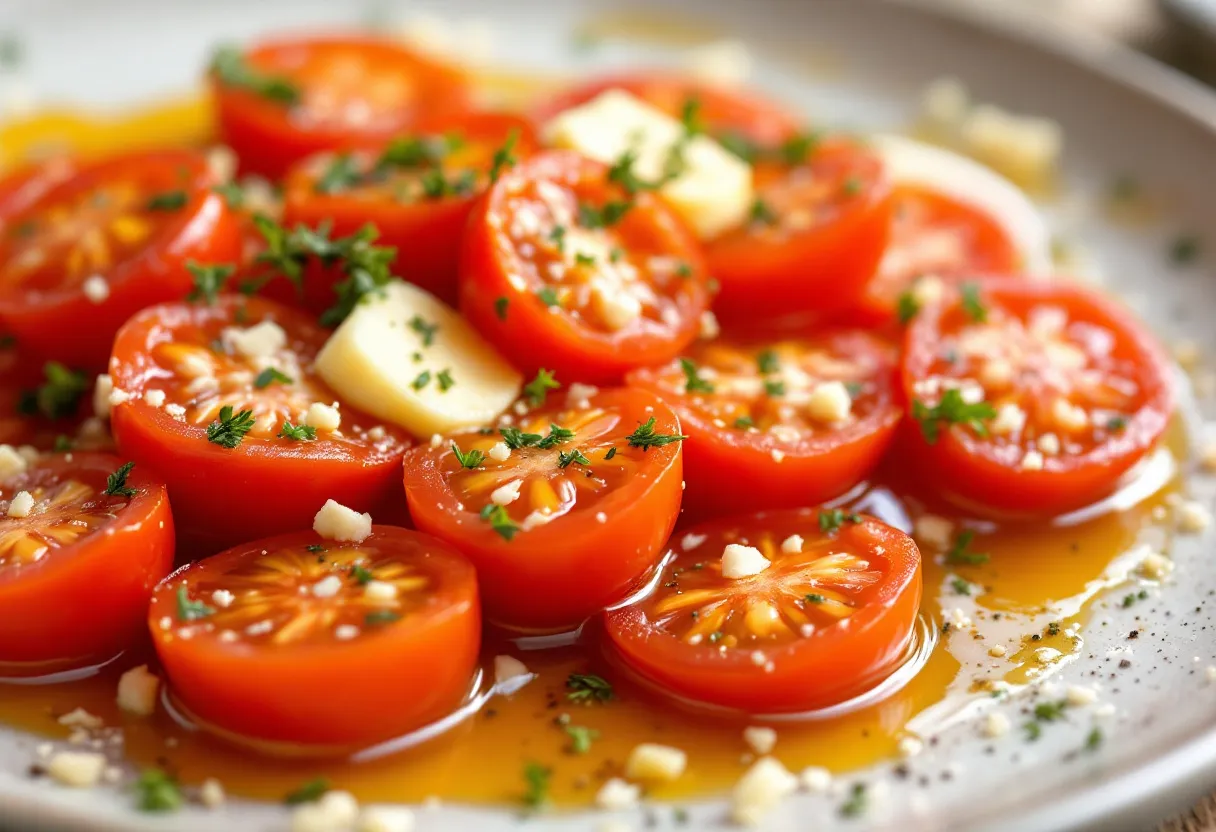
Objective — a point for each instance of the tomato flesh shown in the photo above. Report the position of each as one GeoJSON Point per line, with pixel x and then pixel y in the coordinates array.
{"type": "Point", "coordinates": [830, 616]}
{"type": "Point", "coordinates": [555, 537]}
{"type": "Point", "coordinates": [552, 283]}
{"type": "Point", "coordinates": [417, 191]}
{"type": "Point", "coordinates": [785, 422]}
{"type": "Point", "coordinates": [102, 244]}
{"type": "Point", "coordinates": [348, 92]}
{"type": "Point", "coordinates": [1071, 392]}
{"type": "Point", "coordinates": [818, 228]}
{"type": "Point", "coordinates": [77, 571]}
{"type": "Point", "coordinates": [178, 366]}
{"type": "Point", "coordinates": [309, 642]}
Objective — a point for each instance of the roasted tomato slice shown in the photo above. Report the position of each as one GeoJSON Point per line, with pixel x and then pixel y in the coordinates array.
{"type": "Point", "coordinates": [935, 238]}
{"type": "Point", "coordinates": [562, 269]}
{"type": "Point", "coordinates": [775, 612]}
{"type": "Point", "coordinates": [563, 510]}
{"type": "Point", "coordinates": [225, 402]}
{"type": "Point", "coordinates": [302, 643]}
{"type": "Point", "coordinates": [77, 564]}
{"type": "Point", "coordinates": [785, 422]}
{"type": "Point", "coordinates": [724, 112]}
{"type": "Point", "coordinates": [417, 191]}
{"type": "Point", "coordinates": [91, 251]}
{"type": "Point", "coordinates": [287, 99]}
{"type": "Point", "coordinates": [1032, 398]}
{"type": "Point", "coordinates": [817, 230]}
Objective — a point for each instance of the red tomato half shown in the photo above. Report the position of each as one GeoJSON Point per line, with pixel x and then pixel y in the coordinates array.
{"type": "Point", "coordinates": [1032, 398]}
{"type": "Point", "coordinates": [563, 512]}
{"type": "Point", "coordinates": [85, 255]}
{"type": "Point", "coordinates": [77, 570]}
{"type": "Point", "coordinates": [817, 230]}
{"type": "Point", "coordinates": [306, 642]}
{"type": "Point", "coordinates": [181, 368]}
{"type": "Point", "coordinates": [785, 423]}
{"type": "Point", "coordinates": [417, 191]}
{"type": "Point", "coordinates": [933, 234]}
{"type": "Point", "coordinates": [554, 276]}
{"type": "Point", "coordinates": [830, 615]}
{"type": "Point", "coordinates": [27, 184]}
{"type": "Point", "coordinates": [721, 110]}
{"type": "Point", "coordinates": [287, 99]}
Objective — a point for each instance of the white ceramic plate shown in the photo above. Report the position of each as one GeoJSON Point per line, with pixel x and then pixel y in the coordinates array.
{"type": "Point", "coordinates": [1122, 114]}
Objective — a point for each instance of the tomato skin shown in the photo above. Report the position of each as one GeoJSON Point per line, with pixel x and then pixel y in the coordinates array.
{"type": "Point", "coordinates": [75, 608]}
{"type": "Point", "coordinates": [337, 696]}
{"type": "Point", "coordinates": [817, 470]}
{"type": "Point", "coordinates": [964, 468]}
{"type": "Point", "coordinates": [826, 668]}
{"type": "Point", "coordinates": [531, 336]}
{"type": "Point", "coordinates": [25, 185]}
{"type": "Point", "coordinates": [556, 576]}
{"type": "Point", "coordinates": [427, 234]}
{"type": "Point", "coordinates": [291, 481]}
{"type": "Point", "coordinates": [723, 110]}
{"type": "Point", "coordinates": [267, 136]}
{"type": "Point", "coordinates": [820, 269]}
{"type": "Point", "coordinates": [988, 250]}
{"type": "Point", "coordinates": [204, 230]}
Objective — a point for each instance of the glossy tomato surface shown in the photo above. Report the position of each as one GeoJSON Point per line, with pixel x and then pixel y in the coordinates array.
{"type": "Point", "coordinates": [563, 269]}
{"type": "Point", "coordinates": [560, 510]}
{"type": "Point", "coordinates": [284, 100]}
{"type": "Point", "coordinates": [724, 112]}
{"type": "Point", "coordinates": [310, 644]}
{"type": "Point", "coordinates": [829, 614]}
{"type": "Point", "coordinates": [77, 565]}
{"type": "Point", "coordinates": [90, 251]}
{"type": "Point", "coordinates": [938, 239]}
{"type": "Point", "coordinates": [786, 422]}
{"type": "Point", "coordinates": [417, 191]}
{"type": "Point", "coordinates": [1031, 398]}
{"type": "Point", "coordinates": [818, 227]}
{"type": "Point", "coordinates": [215, 397]}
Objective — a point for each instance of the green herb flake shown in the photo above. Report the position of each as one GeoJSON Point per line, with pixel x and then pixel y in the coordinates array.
{"type": "Point", "coordinates": [767, 362]}
{"type": "Point", "coordinates": [341, 174]}
{"type": "Point", "coordinates": [500, 308]}
{"type": "Point", "coordinates": [774, 389]}
{"type": "Point", "coordinates": [500, 521]}
{"type": "Point", "coordinates": [58, 397]}
{"type": "Point", "coordinates": [973, 306]}
{"type": "Point", "coordinates": [906, 307]}
{"type": "Point", "coordinates": [504, 156]}
{"type": "Point", "coordinates": [379, 617]}
{"type": "Point", "coordinates": [116, 483]}
{"type": "Point", "coordinates": [813, 598]}
{"type": "Point", "coordinates": [1184, 250]}
{"type": "Point", "coordinates": [188, 610]}
{"type": "Point", "coordinates": [426, 331]}
{"type": "Point", "coordinates": [467, 459]}
{"type": "Point", "coordinates": [548, 296]}
{"type": "Point", "coordinates": [537, 389]}
{"type": "Point", "coordinates": [960, 550]}
{"type": "Point", "coordinates": [745, 422]}
{"type": "Point", "coordinates": [952, 410]}
{"type": "Point", "coordinates": [230, 428]}
{"type": "Point", "coordinates": [587, 688]}
{"type": "Point", "coordinates": [209, 279]}
{"type": "Point", "coordinates": [693, 383]}
{"type": "Point", "coordinates": [645, 436]}
{"type": "Point", "coordinates": [167, 201]}
{"type": "Point", "coordinates": [857, 802]}
{"type": "Point", "coordinates": [536, 780]}
{"type": "Point", "coordinates": [960, 586]}
{"type": "Point", "coordinates": [271, 376]}
{"type": "Point", "coordinates": [581, 738]}
{"type": "Point", "coordinates": [831, 519]}
{"type": "Point", "coordinates": [156, 791]}
{"type": "Point", "coordinates": [298, 433]}
{"type": "Point", "coordinates": [761, 213]}
{"type": "Point", "coordinates": [565, 458]}
{"type": "Point", "coordinates": [611, 453]}
{"type": "Point", "coordinates": [308, 793]}
{"type": "Point", "coordinates": [445, 380]}
{"type": "Point", "coordinates": [232, 70]}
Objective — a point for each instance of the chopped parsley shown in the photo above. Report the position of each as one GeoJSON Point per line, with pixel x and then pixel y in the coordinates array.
{"type": "Point", "coordinates": [851, 186]}
{"type": "Point", "coordinates": [62, 443]}
{"type": "Point", "coordinates": [856, 804]}
{"type": "Point", "coordinates": [813, 598]}
{"type": "Point", "coordinates": [951, 410]}
{"type": "Point", "coordinates": [548, 296]}
{"type": "Point", "coordinates": [426, 331]}
{"type": "Point", "coordinates": [762, 213]}
{"type": "Point", "coordinates": [445, 380]}
{"type": "Point", "coordinates": [766, 362]}
{"type": "Point", "coordinates": [605, 216]}
{"type": "Point", "coordinates": [58, 397]}
{"type": "Point", "coordinates": [1132, 597]}
{"type": "Point", "coordinates": [796, 149]}
{"type": "Point", "coordinates": [1184, 250]}
{"type": "Point", "coordinates": [558, 236]}
{"type": "Point", "coordinates": [167, 201]}
{"type": "Point", "coordinates": [831, 519]}
{"type": "Point", "coordinates": [693, 383]}
{"type": "Point", "coordinates": [467, 459]}
{"type": "Point", "coordinates": [500, 521]}
{"type": "Point", "coordinates": [504, 156]}
{"type": "Point", "coordinates": [233, 194]}
{"type": "Point", "coordinates": [557, 435]}
{"type": "Point", "coordinates": [188, 610]}
{"type": "Point", "coordinates": [774, 389]}
{"type": "Point", "coordinates": [231, 428]}
{"type": "Point", "coordinates": [1093, 740]}
{"type": "Point", "coordinates": [536, 778]}
{"type": "Point", "coordinates": [745, 422]}
{"type": "Point", "coordinates": [565, 458]}
{"type": "Point", "coordinates": [116, 483]}
{"type": "Point", "coordinates": [269, 376]}
{"type": "Point", "coordinates": [588, 688]}
{"type": "Point", "coordinates": [581, 737]}
{"type": "Point", "coordinates": [209, 279]}
{"type": "Point", "coordinates": [973, 307]}
{"type": "Point", "coordinates": [315, 548]}
{"type": "Point", "coordinates": [500, 307]}
{"type": "Point", "coordinates": [611, 453]}
{"type": "Point", "coordinates": [341, 174]}
{"type": "Point", "coordinates": [960, 550]}
{"type": "Point", "coordinates": [421, 380]}
{"type": "Point", "coordinates": [156, 791]}
{"type": "Point", "coordinates": [361, 574]}
{"type": "Point", "coordinates": [232, 70]}
{"type": "Point", "coordinates": [516, 438]}
{"type": "Point", "coordinates": [297, 432]}
{"type": "Point", "coordinates": [538, 388]}
{"type": "Point", "coordinates": [645, 437]}
{"type": "Point", "coordinates": [377, 617]}
{"type": "Point", "coordinates": [1115, 424]}
{"type": "Point", "coordinates": [308, 793]}
{"type": "Point", "coordinates": [906, 307]}
{"type": "Point", "coordinates": [960, 586]}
